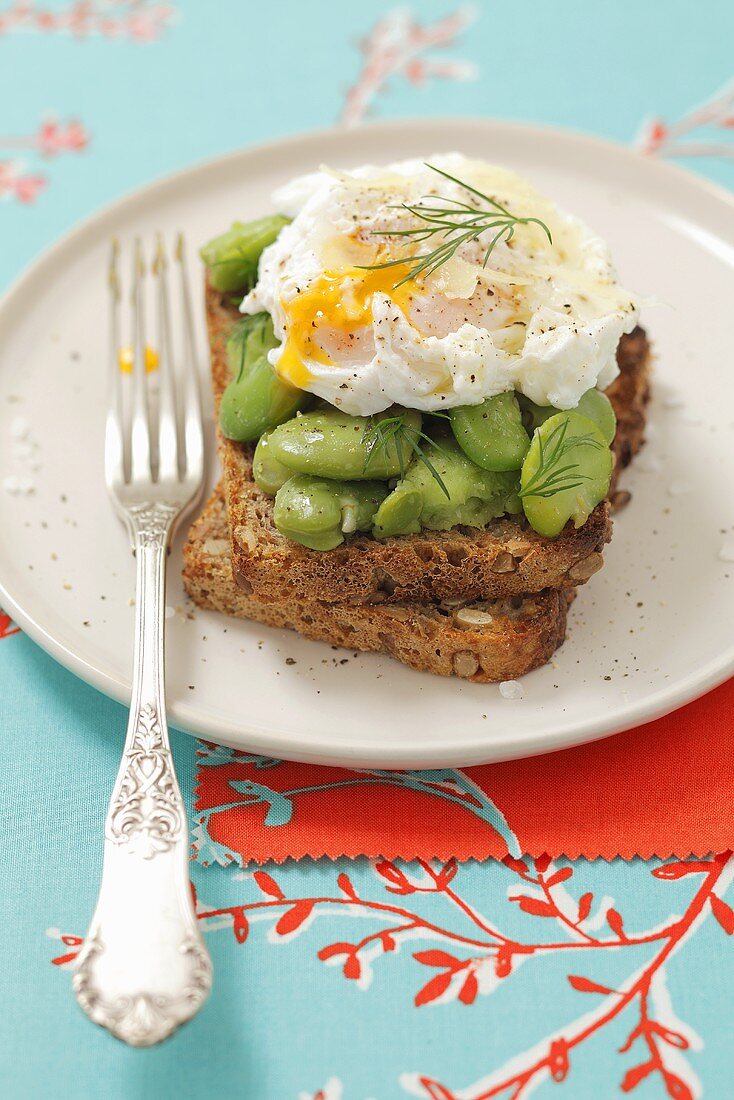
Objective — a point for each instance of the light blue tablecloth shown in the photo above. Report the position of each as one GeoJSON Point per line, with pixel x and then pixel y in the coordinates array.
{"type": "Point", "coordinates": [154, 88]}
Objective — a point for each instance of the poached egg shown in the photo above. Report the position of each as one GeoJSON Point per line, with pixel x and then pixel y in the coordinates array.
{"type": "Point", "coordinates": [542, 318]}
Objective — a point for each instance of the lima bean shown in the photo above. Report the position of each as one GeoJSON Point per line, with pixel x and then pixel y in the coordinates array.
{"type": "Point", "coordinates": [318, 512]}
{"type": "Point", "coordinates": [566, 473]}
{"type": "Point", "coordinates": [256, 399]}
{"type": "Point", "coordinates": [491, 434]}
{"type": "Point", "coordinates": [269, 474]}
{"type": "Point", "coordinates": [475, 496]}
{"type": "Point", "coordinates": [233, 257]}
{"type": "Point", "coordinates": [328, 443]}
{"type": "Point", "coordinates": [594, 403]}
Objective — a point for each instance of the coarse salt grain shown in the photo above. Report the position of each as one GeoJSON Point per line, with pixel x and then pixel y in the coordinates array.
{"type": "Point", "coordinates": [679, 488]}
{"type": "Point", "coordinates": [648, 463]}
{"type": "Point", "coordinates": [22, 451]}
{"type": "Point", "coordinates": [511, 689]}
{"type": "Point", "coordinates": [726, 553]}
{"type": "Point", "coordinates": [17, 486]}
{"type": "Point", "coordinates": [19, 428]}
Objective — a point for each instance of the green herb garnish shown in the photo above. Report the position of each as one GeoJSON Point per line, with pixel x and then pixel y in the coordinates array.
{"type": "Point", "coordinates": [550, 477]}
{"type": "Point", "coordinates": [457, 222]}
{"type": "Point", "coordinates": [395, 430]}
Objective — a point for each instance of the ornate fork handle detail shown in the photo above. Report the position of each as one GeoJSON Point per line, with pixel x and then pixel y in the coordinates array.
{"type": "Point", "coordinates": [144, 969]}
{"type": "Point", "coordinates": [142, 1019]}
{"type": "Point", "coordinates": [146, 809]}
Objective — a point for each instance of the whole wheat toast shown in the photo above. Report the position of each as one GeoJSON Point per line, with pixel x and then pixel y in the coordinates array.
{"type": "Point", "coordinates": [513, 635]}
{"type": "Point", "coordinates": [505, 559]}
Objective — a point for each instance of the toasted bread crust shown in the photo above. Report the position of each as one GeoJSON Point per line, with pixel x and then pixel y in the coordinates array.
{"type": "Point", "coordinates": [505, 559]}
{"type": "Point", "coordinates": [629, 394]}
{"type": "Point", "coordinates": [521, 636]}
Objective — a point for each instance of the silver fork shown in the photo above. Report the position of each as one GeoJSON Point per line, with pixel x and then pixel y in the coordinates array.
{"type": "Point", "coordinates": [143, 969]}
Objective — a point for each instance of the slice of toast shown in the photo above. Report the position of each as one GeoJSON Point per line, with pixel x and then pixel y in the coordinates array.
{"type": "Point", "coordinates": [486, 642]}
{"type": "Point", "coordinates": [507, 558]}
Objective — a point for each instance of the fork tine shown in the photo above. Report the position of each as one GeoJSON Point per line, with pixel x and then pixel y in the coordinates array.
{"type": "Point", "coordinates": [140, 434]}
{"type": "Point", "coordinates": [114, 451]}
{"type": "Point", "coordinates": [168, 464]}
{"type": "Point", "coordinates": [191, 403]}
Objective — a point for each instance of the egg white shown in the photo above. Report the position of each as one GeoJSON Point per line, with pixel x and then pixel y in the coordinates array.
{"type": "Point", "coordinates": [541, 318]}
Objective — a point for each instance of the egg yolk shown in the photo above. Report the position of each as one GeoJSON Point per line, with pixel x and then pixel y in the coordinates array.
{"type": "Point", "coordinates": [126, 359]}
{"type": "Point", "coordinates": [338, 302]}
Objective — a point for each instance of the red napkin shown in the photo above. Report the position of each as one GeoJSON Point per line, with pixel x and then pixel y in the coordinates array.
{"type": "Point", "coordinates": [664, 789]}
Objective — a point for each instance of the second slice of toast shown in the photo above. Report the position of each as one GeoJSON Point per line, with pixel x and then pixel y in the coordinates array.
{"type": "Point", "coordinates": [485, 642]}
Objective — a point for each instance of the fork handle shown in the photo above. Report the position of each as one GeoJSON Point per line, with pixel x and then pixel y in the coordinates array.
{"type": "Point", "coordinates": [144, 969]}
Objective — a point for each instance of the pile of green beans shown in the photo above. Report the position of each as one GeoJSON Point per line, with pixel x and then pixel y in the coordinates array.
{"type": "Point", "coordinates": [397, 473]}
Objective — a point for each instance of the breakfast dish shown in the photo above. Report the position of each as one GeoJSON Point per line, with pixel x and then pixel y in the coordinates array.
{"type": "Point", "coordinates": [428, 380]}
{"type": "Point", "coordinates": [649, 632]}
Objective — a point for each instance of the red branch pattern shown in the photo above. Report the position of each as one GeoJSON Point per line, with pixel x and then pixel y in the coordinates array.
{"type": "Point", "coordinates": [481, 955]}
{"type": "Point", "coordinates": [49, 140]}
{"type": "Point", "coordinates": [18, 184]}
{"type": "Point", "coordinates": [7, 626]}
{"type": "Point", "coordinates": [659, 138]}
{"type": "Point", "coordinates": [136, 20]}
{"type": "Point", "coordinates": [332, 1090]}
{"type": "Point", "coordinates": [396, 46]}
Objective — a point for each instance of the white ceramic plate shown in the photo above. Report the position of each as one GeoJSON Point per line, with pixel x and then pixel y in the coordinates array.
{"type": "Point", "coordinates": [650, 632]}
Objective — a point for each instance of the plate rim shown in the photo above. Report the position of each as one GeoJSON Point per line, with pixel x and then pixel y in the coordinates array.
{"type": "Point", "coordinates": [260, 739]}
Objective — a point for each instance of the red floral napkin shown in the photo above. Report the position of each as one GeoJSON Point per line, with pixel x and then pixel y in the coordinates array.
{"type": "Point", "coordinates": [661, 790]}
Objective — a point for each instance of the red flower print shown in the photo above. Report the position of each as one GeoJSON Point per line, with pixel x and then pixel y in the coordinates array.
{"type": "Point", "coordinates": [468, 956]}
{"type": "Point", "coordinates": [659, 138]}
{"type": "Point", "coordinates": [15, 183]}
{"type": "Point", "coordinates": [397, 45]}
{"type": "Point", "coordinates": [7, 627]}
{"type": "Point", "coordinates": [54, 138]}
{"type": "Point", "coordinates": [136, 20]}
{"type": "Point", "coordinates": [49, 140]}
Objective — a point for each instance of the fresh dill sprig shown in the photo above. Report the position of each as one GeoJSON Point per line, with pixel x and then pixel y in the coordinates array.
{"type": "Point", "coordinates": [457, 223]}
{"type": "Point", "coordinates": [396, 431]}
{"type": "Point", "coordinates": [380, 434]}
{"type": "Point", "coordinates": [242, 331]}
{"type": "Point", "coordinates": [551, 477]}
{"type": "Point", "coordinates": [238, 340]}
